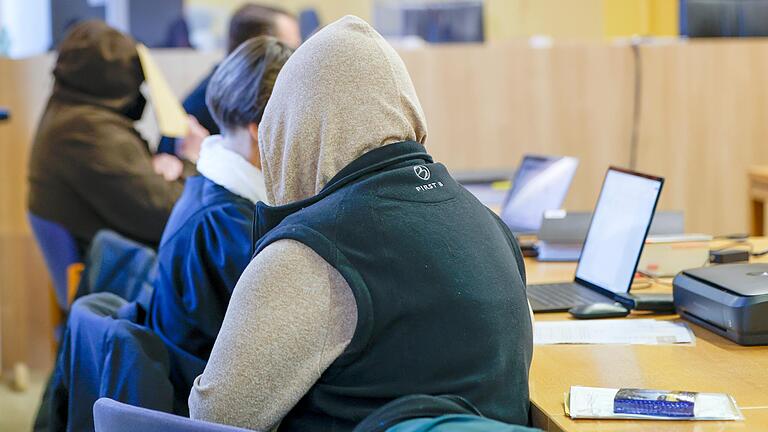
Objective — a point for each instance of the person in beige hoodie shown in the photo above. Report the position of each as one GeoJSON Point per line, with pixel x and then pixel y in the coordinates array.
{"type": "Point", "coordinates": [376, 275]}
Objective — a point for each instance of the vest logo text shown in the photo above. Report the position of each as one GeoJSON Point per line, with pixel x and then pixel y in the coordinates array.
{"type": "Point", "coordinates": [429, 186]}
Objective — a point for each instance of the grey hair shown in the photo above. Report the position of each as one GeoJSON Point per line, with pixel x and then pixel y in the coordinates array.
{"type": "Point", "coordinates": [242, 84]}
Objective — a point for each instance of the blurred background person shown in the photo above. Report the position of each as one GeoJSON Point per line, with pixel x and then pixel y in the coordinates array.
{"type": "Point", "coordinates": [248, 21]}
{"type": "Point", "coordinates": [90, 169]}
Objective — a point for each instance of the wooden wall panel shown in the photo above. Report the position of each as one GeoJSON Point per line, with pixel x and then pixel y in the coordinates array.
{"type": "Point", "coordinates": [488, 105]}
{"type": "Point", "coordinates": [705, 106]}
{"type": "Point", "coordinates": [24, 88]}
{"type": "Point", "coordinates": [25, 319]}
{"type": "Point", "coordinates": [703, 122]}
{"type": "Point", "coordinates": [25, 304]}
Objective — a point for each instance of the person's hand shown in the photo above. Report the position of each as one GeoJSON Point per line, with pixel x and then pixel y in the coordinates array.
{"type": "Point", "coordinates": [189, 147]}
{"type": "Point", "coordinates": [168, 166]}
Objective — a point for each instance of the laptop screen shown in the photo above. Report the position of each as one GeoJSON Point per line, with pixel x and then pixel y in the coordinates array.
{"type": "Point", "coordinates": [618, 229]}
{"type": "Point", "coordinates": [540, 184]}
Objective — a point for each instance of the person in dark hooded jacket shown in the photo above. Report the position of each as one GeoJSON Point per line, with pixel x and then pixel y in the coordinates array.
{"type": "Point", "coordinates": [90, 169]}
{"type": "Point", "coordinates": [248, 21]}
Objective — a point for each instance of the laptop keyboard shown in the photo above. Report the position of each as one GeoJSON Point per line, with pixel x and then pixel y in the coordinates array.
{"type": "Point", "coordinates": [561, 296]}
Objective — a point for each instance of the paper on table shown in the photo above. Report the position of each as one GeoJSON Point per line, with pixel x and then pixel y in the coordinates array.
{"type": "Point", "coordinates": [172, 120]}
{"type": "Point", "coordinates": [624, 332]}
{"type": "Point", "coordinates": [596, 402]}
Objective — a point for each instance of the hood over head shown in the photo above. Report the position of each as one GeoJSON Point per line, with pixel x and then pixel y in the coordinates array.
{"type": "Point", "coordinates": [343, 93]}
{"type": "Point", "coordinates": [99, 65]}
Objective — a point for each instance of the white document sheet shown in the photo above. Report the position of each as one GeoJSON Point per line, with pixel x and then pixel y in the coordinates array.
{"type": "Point", "coordinates": [172, 120]}
{"type": "Point", "coordinates": [612, 331]}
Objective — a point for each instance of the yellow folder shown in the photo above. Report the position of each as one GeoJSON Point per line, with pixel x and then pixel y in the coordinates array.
{"type": "Point", "coordinates": [171, 117]}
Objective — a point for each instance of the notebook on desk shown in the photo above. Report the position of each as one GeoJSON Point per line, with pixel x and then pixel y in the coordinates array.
{"type": "Point", "coordinates": [612, 248]}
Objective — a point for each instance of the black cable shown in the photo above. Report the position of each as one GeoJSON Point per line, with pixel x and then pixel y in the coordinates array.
{"type": "Point", "coordinates": [750, 246]}
{"type": "Point", "coordinates": [652, 279]}
{"type": "Point", "coordinates": [637, 105]}
{"type": "Point", "coordinates": [733, 244]}
{"type": "Point", "coordinates": [732, 236]}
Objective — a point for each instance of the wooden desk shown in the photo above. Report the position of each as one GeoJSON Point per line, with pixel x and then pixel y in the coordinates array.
{"type": "Point", "coordinates": [713, 364]}
{"type": "Point", "coordinates": [758, 195]}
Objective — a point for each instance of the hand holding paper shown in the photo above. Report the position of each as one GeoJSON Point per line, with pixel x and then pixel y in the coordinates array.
{"type": "Point", "coordinates": [189, 147]}
{"type": "Point", "coordinates": [168, 166]}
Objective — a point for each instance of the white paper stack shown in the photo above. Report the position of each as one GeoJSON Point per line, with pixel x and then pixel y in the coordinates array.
{"type": "Point", "coordinates": [623, 332]}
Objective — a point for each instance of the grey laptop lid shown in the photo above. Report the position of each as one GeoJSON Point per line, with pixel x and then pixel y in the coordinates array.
{"type": "Point", "coordinates": [540, 184]}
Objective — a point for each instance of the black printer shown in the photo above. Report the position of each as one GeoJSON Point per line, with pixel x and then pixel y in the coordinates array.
{"type": "Point", "coordinates": [729, 299]}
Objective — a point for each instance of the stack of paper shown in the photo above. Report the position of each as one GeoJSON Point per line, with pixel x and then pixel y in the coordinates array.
{"type": "Point", "coordinates": [171, 118]}
{"type": "Point", "coordinates": [625, 331]}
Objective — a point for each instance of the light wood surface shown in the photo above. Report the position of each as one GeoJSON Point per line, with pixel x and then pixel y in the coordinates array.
{"type": "Point", "coordinates": [713, 364]}
{"type": "Point", "coordinates": [758, 195]}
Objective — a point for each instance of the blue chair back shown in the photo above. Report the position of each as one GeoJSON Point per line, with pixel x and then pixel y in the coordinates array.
{"type": "Point", "coordinates": [112, 416]}
{"type": "Point", "coordinates": [59, 251]}
{"type": "Point", "coordinates": [309, 22]}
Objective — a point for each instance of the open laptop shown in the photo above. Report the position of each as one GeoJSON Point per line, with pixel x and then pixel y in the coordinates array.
{"type": "Point", "coordinates": [540, 184]}
{"type": "Point", "coordinates": [490, 187]}
{"type": "Point", "coordinates": [612, 248]}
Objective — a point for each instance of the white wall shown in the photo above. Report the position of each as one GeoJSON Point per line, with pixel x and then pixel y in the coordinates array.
{"type": "Point", "coordinates": [28, 26]}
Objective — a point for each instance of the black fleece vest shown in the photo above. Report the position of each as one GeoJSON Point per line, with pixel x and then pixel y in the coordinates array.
{"type": "Point", "coordinates": [439, 284]}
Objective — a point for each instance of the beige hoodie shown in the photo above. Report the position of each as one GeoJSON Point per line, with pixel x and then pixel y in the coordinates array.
{"type": "Point", "coordinates": [343, 93]}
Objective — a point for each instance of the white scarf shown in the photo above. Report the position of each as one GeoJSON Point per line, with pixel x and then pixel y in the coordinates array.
{"type": "Point", "coordinates": [230, 170]}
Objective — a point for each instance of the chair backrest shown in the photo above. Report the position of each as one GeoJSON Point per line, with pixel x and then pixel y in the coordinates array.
{"type": "Point", "coordinates": [112, 416]}
{"type": "Point", "coordinates": [59, 251]}
{"type": "Point", "coordinates": [309, 22]}
{"type": "Point", "coordinates": [118, 265]}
